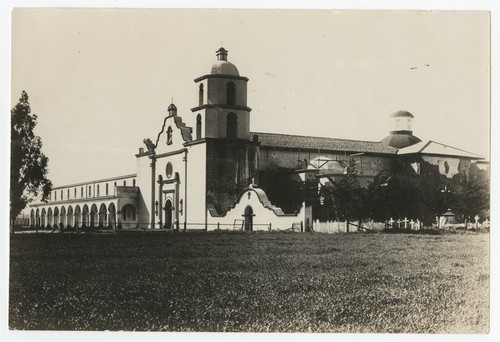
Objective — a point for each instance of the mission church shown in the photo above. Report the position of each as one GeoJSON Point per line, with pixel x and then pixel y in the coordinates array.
{"type": "Point", "coordinates": [217, 174]}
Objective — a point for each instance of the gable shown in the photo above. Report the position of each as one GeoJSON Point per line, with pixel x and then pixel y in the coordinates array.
{"type": "Point", "coordinates": [435, 148]}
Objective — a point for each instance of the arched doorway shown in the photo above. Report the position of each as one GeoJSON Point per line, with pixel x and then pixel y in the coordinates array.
{"type": "Point", "coordinates": [93, 215]}
{"type": "Point", "coordinates": [63, 216]}
{"type": "Point", "coordinates": [56, 217]}
{"type": "Point", "coordinates": [50, 222]}
{"type": "Point", "coordinates": [248, 218]}
{"type": "Point", "coordinates": [32, 218]}
{"type": "Point", "coordinates": [168, 214]}
{"type": "Point", "coordinates": [112, 215]}
{"type": "Point", "coordinates": [37, 218]}
{"type": "Point", "coordinates": [85, 216]}
{"type": "Point", "coordinates": [69, 217]}
{"type": "Point", "coordinates": [43, 218]}
{"type": "Point", "coordinates": [78, 216]}
{"type": "Point", "coordinates": [102, 215]}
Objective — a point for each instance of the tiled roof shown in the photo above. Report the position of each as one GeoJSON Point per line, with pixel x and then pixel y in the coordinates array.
{"type": "Point", "coordinates": [327, 144]}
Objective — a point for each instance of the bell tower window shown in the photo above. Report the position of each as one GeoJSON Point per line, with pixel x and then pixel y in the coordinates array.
{"type": "Point", "coordinates": [231, 94]}
{"type": "Point", "coordinates": [232, 126]}
{"type": "Point", "coordinates": [201, 94]}
{"type": "Point", "coordinates": [198, 127]}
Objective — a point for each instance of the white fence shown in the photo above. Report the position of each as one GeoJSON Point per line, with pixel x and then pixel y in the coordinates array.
{"type": "Point", "coordinates": [341, 226]}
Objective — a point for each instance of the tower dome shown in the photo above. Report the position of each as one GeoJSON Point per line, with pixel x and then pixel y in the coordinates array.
{"type": "Point", "coordinates": [401, 135]}
{"type": "Point", "coordinates": [222, 66]}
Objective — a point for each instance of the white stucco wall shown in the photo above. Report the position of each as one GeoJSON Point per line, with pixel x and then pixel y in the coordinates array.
{"type": "Point", "coordinates": [196, 186]}
{"type": "Point", "coordinates": [263, 216]}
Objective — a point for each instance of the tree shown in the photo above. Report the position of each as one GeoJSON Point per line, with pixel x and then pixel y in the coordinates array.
{"type": "Point", "coordinates": [471, 193]}
{"type": "Point", "coordinates": [346, 197]}
{"type": "Point", "coordinates": [28, 165]}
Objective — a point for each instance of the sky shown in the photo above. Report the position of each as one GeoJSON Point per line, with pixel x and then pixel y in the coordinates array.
{"type": "Point", "coordinates": [100, 80]}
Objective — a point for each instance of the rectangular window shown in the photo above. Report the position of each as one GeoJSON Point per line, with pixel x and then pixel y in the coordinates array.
{"type": "Point", "coordinates": [125, 183]}
{"type": "Point", "coordinates": [55, 195]}
{"type": "Point", "coordinates": [97, 189]}
{"type": "Point", "coordinates": [107, 189]}
{"type": "Point", "coordinates": [68, 194]}
{"type": "Point", "coordinates": [75, 193]}
{"type": "Point", "coordinates": [81, 192]}
{"type": "Point", "coordinates": [90, 191]}
{"type": "Point", "coordinates": [62, 195]}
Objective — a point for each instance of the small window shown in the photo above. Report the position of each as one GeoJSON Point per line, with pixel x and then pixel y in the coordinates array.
{"type": "Point", "coordinates": [68, 193]}
{"type": "Point", "coordinates": [98, 190]}
{"type": "Point", "coordinates": [55, 195]}
{"type": "Point", "coordinates": [133, 182]}
{"type": "Point", "coordinates": [125, 183]}
{"type": "Point", "coordinates": [90, 191]}
{"type": "Point", "coordinates": [81, 192]}
{"type": "Point", "coordinates": [169, 169]}
{"type": "Point", "coordinates": [169, 135]}
{"type": "Point", "coordinates": [62, 195]}
{"type": "Point", "coordinates": [75, 193]}
{"type": "Point", "coordinates": [107, 189]}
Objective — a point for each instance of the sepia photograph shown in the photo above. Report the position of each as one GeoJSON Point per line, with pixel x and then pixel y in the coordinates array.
{"type": "Point", "coordinates": [278, 170]}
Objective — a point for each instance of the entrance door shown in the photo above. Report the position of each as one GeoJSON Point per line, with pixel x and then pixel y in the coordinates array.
{"type": "Point", "coordinates": [248, 218]}
{"type": "Point", "coordinates": [168, 214]}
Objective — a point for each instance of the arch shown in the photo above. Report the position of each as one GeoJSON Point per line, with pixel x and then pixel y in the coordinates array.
{"type": "Point", "coordinates": [248, 215]}
{"type": "Point", "coordinates": [168, 214]}
{"type": "Point", "coordinates": [50, 221]}
{"type": "Point", "coordinates": [69, 217]}
{"type": "Point", "coordinates": [56, 216]}
{"type": "Point", "coordinates": [198, 127]}
{"type": "Point", "coordinates": [200, 94]}
{"type": "Point", "coordinates": [78, 216]}
{"type": "Point", "coordinates": [63, 216]}
{"type": "Point", "coordinates": [231, 93]}
{"type": "Point", "coordinates": [232, 126]}
{"type": "Point", "coordinates": [85, 216]}
{"type": "Point", "coordinates": [32, 218]}
{"type": "Point", "coordinates": [94, 215]}
{"type": "Point", "coordinates": [43, 218]}
{"type": "Point", "coordinates": [103, 215]}
{"type": "Point", "coordinates": [37, 217]}
{"type": "Point", "coordinates": [112, 215]}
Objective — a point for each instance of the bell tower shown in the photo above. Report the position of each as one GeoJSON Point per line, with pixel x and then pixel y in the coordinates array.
{"type": "Point", "coordinates": [222, 110]}
{"type": "Point", "coordinates": [223, 130]}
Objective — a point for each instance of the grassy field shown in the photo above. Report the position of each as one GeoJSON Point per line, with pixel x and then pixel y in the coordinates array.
{"type": "Point", "coordinates": [225, 281]}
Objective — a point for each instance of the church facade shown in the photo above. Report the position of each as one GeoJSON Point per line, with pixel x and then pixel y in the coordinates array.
{"type": "Point", "coordinates": [217, 174]}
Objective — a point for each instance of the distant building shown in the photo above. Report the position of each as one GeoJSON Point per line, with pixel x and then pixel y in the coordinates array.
{"type": "Point", "coordinates": [217, 173]}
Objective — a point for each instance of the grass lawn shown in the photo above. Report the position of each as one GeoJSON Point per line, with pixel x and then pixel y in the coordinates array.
{"type": "Point", "coordinates": [227, 281]}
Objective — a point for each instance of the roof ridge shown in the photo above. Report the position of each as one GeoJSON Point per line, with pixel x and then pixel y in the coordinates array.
{"type": "Point", "coordinates": [315, 137]}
